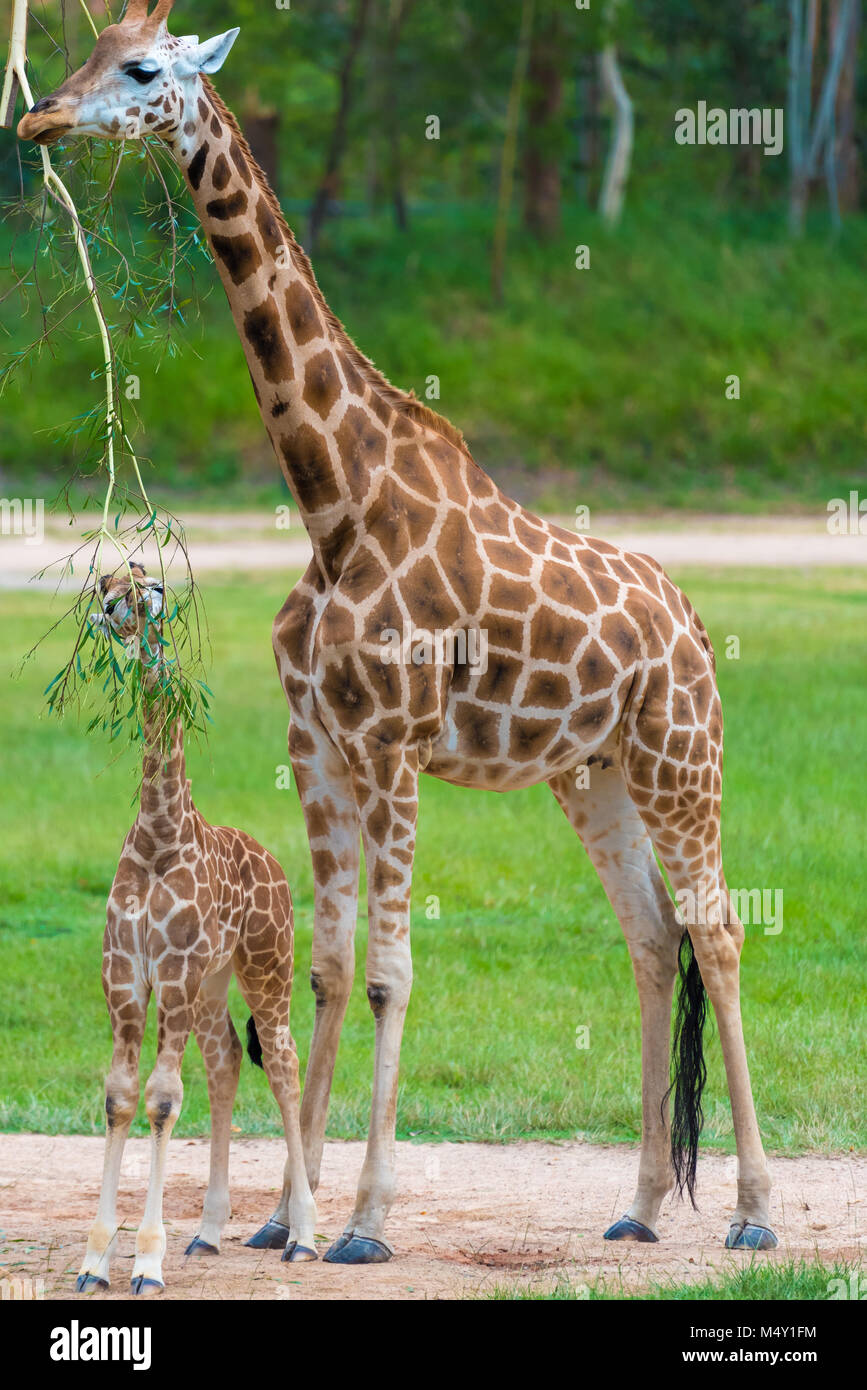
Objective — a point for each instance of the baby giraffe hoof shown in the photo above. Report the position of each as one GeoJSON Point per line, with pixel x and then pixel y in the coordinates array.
{"type": "Point", "coordinates": [350, 1249]}
{"type": "Point", "coordinates": [141, 1285]}
{"type": "Point", "coordinates": [197, 1246]}
{"type": "Point", "coordinates": [749, 1237]}
{"type": "Point", "coordinates": [295, 1253]}
{"type": "Point", "coordinates": [90, 1283]}
{"type": "Point", "coordinates": [272, 1236]}
{"type": "Point", "coordinates": [627, 1228]}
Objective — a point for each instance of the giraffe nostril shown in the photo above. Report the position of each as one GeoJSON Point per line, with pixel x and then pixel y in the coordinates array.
{"type": "Point", "coordinates": [44, 104]}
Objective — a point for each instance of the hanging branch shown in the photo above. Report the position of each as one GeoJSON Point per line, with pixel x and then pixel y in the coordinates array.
{"type": "Point", "coordinates": [184, 697]}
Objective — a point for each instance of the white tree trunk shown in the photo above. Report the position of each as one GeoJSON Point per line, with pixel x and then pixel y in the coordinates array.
{"type": "Point", "coordinates": [619, 158]}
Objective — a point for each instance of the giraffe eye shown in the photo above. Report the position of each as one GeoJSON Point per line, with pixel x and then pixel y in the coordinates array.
{"type": "Point", "coordinates": [141, 72]}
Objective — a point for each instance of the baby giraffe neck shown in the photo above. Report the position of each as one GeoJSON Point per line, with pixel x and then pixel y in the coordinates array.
{"type": "Point", "coordinates": [165, 808]}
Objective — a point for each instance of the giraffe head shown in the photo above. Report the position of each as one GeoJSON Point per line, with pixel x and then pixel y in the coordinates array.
{"type": "Point", "coordinates": [138, 80]}
{"type": "Point", "coordinates": [129, 599]}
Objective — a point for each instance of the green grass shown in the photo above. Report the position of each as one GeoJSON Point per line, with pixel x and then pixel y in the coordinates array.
{"type": "Point", "coordinates": [526, 947]}
{"type": "Point", "coordinates": [790, 1280]}
{"type": "Point", "coordinates": [605, 384]}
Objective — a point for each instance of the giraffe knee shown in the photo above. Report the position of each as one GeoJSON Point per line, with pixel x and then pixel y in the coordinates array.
{"type": "Point", "coordinates": [121, 1100]}
{"type": "Point", "coordinates": [378, 997]}
{"type": "Point", "coordinates": [163, 1096]}
{"type": "Point", "coordinates": [394, 995]}
{"type": "Point", "coordinates": [331, 981]}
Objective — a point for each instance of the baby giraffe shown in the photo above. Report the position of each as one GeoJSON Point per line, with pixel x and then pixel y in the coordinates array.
{"type": "Point", "coordinates": [189, 904]}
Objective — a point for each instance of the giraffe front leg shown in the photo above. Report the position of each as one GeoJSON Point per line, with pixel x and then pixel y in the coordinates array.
{"type": "Point", "coordinates": [123, 992]}
{"type": "Point", "coordinates": [387, 793]}
{"type": "Point", "coordinates": [164, 1094]}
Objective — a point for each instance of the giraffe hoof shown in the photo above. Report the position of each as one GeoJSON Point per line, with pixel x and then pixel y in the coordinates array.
{"type": "Point", "coordinates": [272, 1236]}
{"type": "Point", "coordinates": [90, 1283]}
{"type": "Point", "coordinates": [350, 1249]}
{"type": "Point", "coordinates": [748, 1237]}
{"type": "Point", "coordinates": [295, 1253]}
{"type": "Point", "coordinates": [197, 1246]}
{"type": "Point", "coordinates": [140, 1284]}
{"type": "Point", "coordinates": [627, 1228]}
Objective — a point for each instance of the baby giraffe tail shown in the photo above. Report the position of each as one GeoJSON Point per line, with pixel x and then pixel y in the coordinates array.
{"type": "Point", "coordinates": [254, 1047]}
{"type": "Point", "coordinates": [689, 1069]}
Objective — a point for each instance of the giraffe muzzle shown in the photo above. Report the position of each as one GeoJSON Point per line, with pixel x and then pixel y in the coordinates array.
{"type": "Point", "coordinates": [45, 122]}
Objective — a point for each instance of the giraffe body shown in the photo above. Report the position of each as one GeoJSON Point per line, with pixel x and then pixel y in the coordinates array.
{"type": "Point", "coordinates": [595, 660]}
{"type": "Point", "coordinates": [190, 905]}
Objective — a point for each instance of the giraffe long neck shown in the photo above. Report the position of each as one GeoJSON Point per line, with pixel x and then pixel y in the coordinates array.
{"type": "Point", "coordinates": [165, 808]}
{"type": "Point", "coordinates": [316, 403]}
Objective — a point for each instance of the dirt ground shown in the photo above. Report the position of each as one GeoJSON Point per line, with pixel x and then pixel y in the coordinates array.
{"type": "Point", "coordinates": [468, 1218]}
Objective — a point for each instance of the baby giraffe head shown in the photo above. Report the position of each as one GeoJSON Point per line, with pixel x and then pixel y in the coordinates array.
{"type": "Point", "coordinates": [139, 80]}
{"type": "Point", "coordinates": [129, 599]}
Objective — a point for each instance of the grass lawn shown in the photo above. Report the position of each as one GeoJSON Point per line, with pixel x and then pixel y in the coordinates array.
{"type": "Point", "coordinates": [526, 948]}
{"type": "Point", "coordinates": [793, 1279]}
{"type": "Point", "coordinates": [606, 384]}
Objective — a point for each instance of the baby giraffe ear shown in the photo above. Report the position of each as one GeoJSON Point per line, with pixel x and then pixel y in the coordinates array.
{"type": "Point", "coordinates": [154, 598]}
{"type": "Point", "coordinates": [205, 57]}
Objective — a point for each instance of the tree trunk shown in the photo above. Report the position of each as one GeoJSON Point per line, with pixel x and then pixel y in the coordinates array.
{"type": "Point", "coordinates": [587, 92]}
{"type": "Point", "coordinates": [542, 139]}
{"type": "Point", "coordinates": [510, 146]}
{"type": "Point", "coordinates": [262, 131]}
{"type": "Point", "coordinates": [399, 11]}
{"type": "Point", "coordinates": [812, 133]}
{"type": "Point", "coordinates": [330, 184]}
{"type": "Point", "coordinates": [620, 150]}
{"type": "Point", "coordinates": [847, 153]}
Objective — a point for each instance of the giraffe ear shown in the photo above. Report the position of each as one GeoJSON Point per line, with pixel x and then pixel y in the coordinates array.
{"type": "Point", "coordinates": [154, 598]}
{"type": "Point", "coordinates": [205, 57]}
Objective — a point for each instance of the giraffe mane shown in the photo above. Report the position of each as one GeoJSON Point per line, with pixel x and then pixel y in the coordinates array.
{"type": "Point", "coordinates": [406, 402]}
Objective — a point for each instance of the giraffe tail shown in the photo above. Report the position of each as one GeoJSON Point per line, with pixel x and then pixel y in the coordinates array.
{"type": "Point", "coordinates": [254, 1047]}
{"type": "Point", "coordinates": [689, 1070]}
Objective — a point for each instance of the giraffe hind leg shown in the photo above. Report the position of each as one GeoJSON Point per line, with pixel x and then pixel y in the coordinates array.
{"type": "Point", "coordinates": [607, 822]}
{"type": "Point", "coordinates": [221, 1052]}
{"type": "Point", "coordinates": [678, 794]}
{"type": "Point", "coordinates": [267, 994]}
{"type": "Point", "coordinates": [274, 1235]}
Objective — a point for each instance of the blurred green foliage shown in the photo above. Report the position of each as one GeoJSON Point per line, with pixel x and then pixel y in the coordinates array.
{"type": "Point", "coordinates": [606, 384]}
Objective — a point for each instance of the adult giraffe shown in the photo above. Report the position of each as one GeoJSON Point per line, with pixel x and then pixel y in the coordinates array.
{"type": "Point", "coordinates": [594, 659]}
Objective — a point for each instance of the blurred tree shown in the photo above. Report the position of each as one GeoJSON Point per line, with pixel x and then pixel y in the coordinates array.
{"type": "Point", "coordinates": [330, 181]}
{"type": "Point", "coordinates": [847, 152]}
{"type": "Point", "coordinates": [543, 137]}
{"type": "Point", "coordinates": [398, 12]}
{"type": "Point", "coordinates": [510, 145]}
{"type": "Point", "coordinates": [620, 149]}
{"type": "Point", "coordinates": [731, 55]}
{"type": "Point", "coordinates": [812, 103]}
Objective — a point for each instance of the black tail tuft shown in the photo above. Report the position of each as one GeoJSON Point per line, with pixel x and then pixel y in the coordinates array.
{"type": "Point", "coordinates": [254, 1047]}
{"type": "Point", "coordinates": [688, 1070]}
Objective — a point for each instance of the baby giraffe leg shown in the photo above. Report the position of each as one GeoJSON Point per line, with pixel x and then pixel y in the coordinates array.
{"type": "Point", "coordinates": [280, 1060]}
{"type": "Point", "coordinates": [267, 995]}
{"type": "Point", "coordinates": [221, 1051]}
{"type": "Point", "coordinates": [121, 1103]}
{"type": "Point", "coordinates": [163, 1096]}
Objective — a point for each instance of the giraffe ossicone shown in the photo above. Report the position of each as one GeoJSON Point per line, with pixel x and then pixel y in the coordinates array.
{"type": "Point", "coordinates": [190, 905]}
{"type": "Point", "coordinates": [595, 660]}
